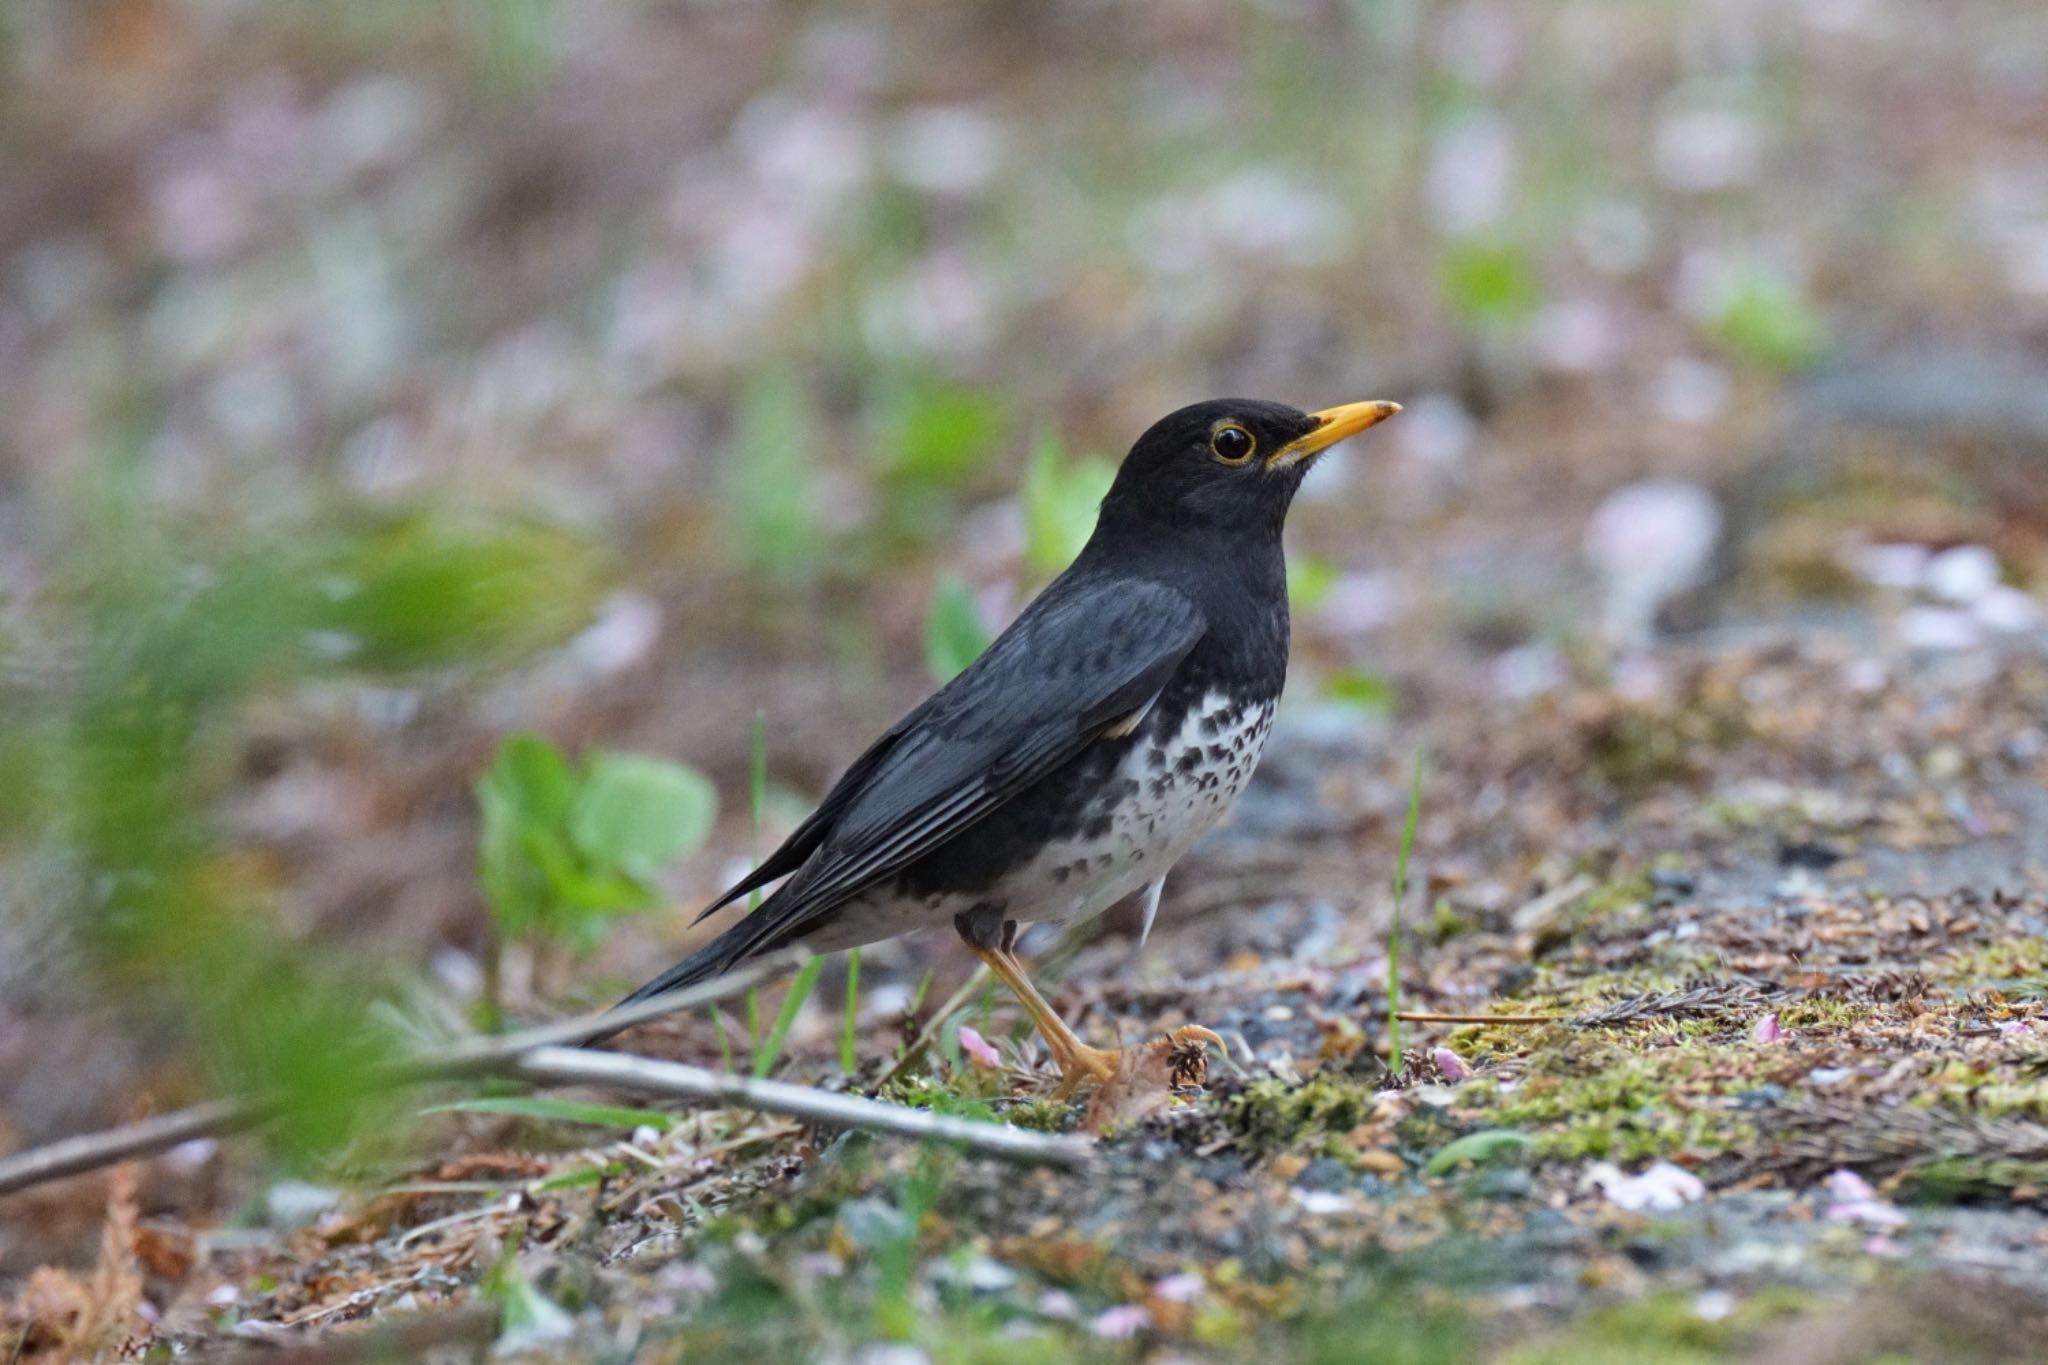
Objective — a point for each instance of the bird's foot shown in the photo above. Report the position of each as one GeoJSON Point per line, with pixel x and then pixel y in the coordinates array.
{"type": "Point", "coordinates": [1177, 1057]}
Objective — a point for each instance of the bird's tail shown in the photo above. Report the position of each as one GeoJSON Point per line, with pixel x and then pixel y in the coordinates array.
{"type": "Point", "coordinates": [743, 940]}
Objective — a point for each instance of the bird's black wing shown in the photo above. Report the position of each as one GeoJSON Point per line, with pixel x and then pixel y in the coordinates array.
{"type": "Point", "coordinates": [1075, 664]}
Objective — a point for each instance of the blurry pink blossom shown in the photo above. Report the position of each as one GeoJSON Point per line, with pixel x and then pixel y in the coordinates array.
{"type": "Point", "coordinates": [1450, 1065]}
{"type": "Point", "coordinates": [1121, 1322]}
{"type": "Point", "coordinates": [1181, 1288]}
{"type": "Point", "coordinates": [2013, 1028]}
{"type": "Point", "coordinates": [1857, 1202]}
{"type": "Point", "coordinates": [1768, 1030]}
{"type": "Point", "coordinates": [977, 1047]}
{"type": "Point", "coordinates": [1845, 1184]}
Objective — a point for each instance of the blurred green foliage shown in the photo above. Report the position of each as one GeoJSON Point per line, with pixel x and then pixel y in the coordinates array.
{"type": "Point", "coordinates": [954, 635]}
{"type": "Point", "coordinates": [1310, 579]}
{"type": "Point", "coordinates": [769, 472]}
{"type": "Point", "coordinates": [1062, 494]}
{"type": "Point", "coordinates": [1367, 691]}
{"type": "Point", "coordinates": [128, 744]}
{"type": "Point", "coordinates": [1490, 284]}
{"type": "Point", "coordinates": [935, 432]}
{"type": "Point", "coordinates": [1760, 317]}
{"type": "Point", "coordinates": [565, 848]}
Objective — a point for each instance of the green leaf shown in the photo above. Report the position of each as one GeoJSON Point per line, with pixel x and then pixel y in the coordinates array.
{"type": "Point", "coordinates": [549, 1109]}
{"type": "Point", "coordinates": [524, 797]}
{"type": "Point", "coordinates": [954, 635]}
{"type": "Point", "coordinates": [1061, 499]}
{"type": "Point", "coordinates": [1480, 1148]}
{"type": "Point", "coordinates": [1490, 284]}
{"type": "Point", "coordinates": [638, 814]}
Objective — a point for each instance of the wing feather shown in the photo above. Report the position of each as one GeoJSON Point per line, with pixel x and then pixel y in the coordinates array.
{"type": "Point", "coordinates": [1068, 670]}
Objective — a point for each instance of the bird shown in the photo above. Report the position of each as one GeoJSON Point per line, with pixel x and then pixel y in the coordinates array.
{"type": "Point", "coordinates": [1110, 726]}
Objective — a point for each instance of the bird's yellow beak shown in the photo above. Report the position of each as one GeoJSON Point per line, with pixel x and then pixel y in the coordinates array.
{"type": "Point", "coordinates": [1331, 426]}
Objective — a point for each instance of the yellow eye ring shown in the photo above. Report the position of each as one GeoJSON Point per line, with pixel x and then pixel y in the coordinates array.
{"type": "Point", "coordinates": [1231, 443]}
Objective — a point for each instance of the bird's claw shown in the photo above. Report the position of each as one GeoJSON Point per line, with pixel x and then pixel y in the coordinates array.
{"type": "Point", "coordinates": [1186, 1065]}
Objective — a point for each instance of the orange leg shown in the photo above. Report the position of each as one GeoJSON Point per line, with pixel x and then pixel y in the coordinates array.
{"type": "Point", "coordinates": [1079, 1063]}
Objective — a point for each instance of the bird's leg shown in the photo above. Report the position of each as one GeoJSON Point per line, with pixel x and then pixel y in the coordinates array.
{"type": "Point", "coordinates": [1079, 1063]}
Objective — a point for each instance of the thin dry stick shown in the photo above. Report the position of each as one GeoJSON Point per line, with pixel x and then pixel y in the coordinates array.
{"type": "Point", "coordinates": [470, 1057]}
{"type": "Point", "coordinates": [1424, 1017]}
{"type": "Point", "coordinates": [580, 1066]}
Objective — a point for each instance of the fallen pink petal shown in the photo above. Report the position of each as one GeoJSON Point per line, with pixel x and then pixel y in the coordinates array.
{"type": "Point", "coordinates": [1847, 1185]}
{"type": "Point", "coordinates": [978, 1047]}
{"type": "Point", "coordinates": [1450, 1065]}
{"type": "Point", "coordinates": [1768, 1030]}
{"type": "Point", "coordinates": [1181, 1288]}
{"type": "Point", "coordinates": [1120, 1323]}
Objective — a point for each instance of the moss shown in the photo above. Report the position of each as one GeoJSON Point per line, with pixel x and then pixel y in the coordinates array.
{"type": "Point", "coordinates": [1042, 1115]}
{"type": "Point", "coordinates": [2013, 960]}
{"type": "Point", "coordinates": [1666, 1327]}
{"type": "Point", "coordinates": [1625, 1104]}
{"type": "Point", "coordinates": [1273, 1115]}
{"type": "Point", "coordinates": [1953, 1180]}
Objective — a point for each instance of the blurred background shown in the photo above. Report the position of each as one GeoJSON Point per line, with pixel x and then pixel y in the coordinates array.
{"type": "Point", "coordinates": [380, 380]}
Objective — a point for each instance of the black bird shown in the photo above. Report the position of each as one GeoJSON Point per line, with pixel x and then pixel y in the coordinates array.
{"type": "Point", "coordinates": [1090, 745]}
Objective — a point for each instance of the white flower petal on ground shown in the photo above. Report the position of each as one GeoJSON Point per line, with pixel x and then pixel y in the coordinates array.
{"type": "Point", "coordinates": [2007, 610]}
{"type": "Point", "coordinates": [1962, 573]}
{"type": "Point", "coordinates": [1659, 1189]}
{"type": "Point", "coordinates": [1890, 566]}
{"type": "Point", "coordinates": [1939, 628]}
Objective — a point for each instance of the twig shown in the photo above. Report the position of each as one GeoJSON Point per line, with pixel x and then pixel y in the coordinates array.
{"type": "Point", "coordinates": [1424, 1017]}
{"type": "Point", "coordinates": [404, 1338]}
{"type": "Point", "coordinates": [581, 1066]}
{"type": "Point", "coordinates": [471, 1057]}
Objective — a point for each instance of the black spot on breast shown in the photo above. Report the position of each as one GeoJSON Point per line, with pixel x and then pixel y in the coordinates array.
{"type": "Point", "coordinates": [1158, 759]}
{"type": "Point", "coordinates": [1218, 752]}
{"type": "Point", "coordinates": [1097, 827]}
{"type": "Point", "coordinates": [1190, 759]}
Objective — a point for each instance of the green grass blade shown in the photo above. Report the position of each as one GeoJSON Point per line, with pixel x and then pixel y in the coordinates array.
{"type": "Point", "coordinates": [799, 991]}
{"type": "Point", "coordinates": [1394, 1058]}
{"type": "Point", "coordinates": [848, 1056]}
{"type": "Point", "coordinates": [724, 1043]}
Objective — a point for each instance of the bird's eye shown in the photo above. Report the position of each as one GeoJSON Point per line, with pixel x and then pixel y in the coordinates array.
{"type": "Point", "coordinates": [1231, 443]}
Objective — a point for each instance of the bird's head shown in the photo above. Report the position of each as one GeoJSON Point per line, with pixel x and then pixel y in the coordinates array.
{"type": "Point", "coordinates": [1231, 463]}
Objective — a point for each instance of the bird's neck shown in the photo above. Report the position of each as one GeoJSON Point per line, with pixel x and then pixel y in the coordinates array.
{"type": "Point", "coordinates": [1226, 567]}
